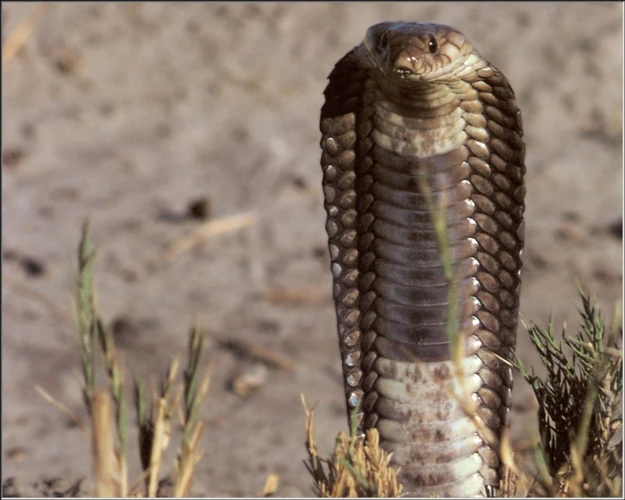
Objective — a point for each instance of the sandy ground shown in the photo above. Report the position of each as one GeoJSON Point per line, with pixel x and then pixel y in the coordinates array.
{"type": "Point", "coordinates": [126, 113]}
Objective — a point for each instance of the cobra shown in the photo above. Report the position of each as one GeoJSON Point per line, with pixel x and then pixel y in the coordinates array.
{"type": "Point", "coordinates": [417, 127]}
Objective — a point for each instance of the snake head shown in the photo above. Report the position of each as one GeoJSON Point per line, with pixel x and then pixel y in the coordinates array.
{"type": "Point", "coordinates": [416, 52]}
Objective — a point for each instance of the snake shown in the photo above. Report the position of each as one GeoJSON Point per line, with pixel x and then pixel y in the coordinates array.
{"type": "Point", "coordinates": [423, 186]}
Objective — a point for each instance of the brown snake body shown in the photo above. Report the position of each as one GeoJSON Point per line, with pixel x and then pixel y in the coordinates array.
{"type": "Point", "coordinates": [416, 123]}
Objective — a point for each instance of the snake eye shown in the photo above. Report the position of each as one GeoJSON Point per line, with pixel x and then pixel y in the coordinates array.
{"type": "Point", "coordinates": [433, 45]}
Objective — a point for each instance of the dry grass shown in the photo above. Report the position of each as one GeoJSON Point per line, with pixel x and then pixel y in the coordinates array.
{"type": "Point", "coordinates": [20, 34]}
{"type": "Point", "coordinates": [358, 467]}
{"type": "Point", "coordinates": [176, 396]}
{"type": "Point", "coordinates": [205, 231]}
{"type": "Point", "coordinates": [579, 408]}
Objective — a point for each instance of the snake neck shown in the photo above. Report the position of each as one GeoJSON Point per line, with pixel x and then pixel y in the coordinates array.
{"type": "Point", "coordinates": [422, 120]}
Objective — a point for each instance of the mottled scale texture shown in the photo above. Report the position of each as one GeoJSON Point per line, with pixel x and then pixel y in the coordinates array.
{"type": "Point", "coordinates": [418, 127]}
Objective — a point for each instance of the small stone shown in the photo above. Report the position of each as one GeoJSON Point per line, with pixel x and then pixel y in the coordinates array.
{"type": "Point", "coordinates": [319, 253]}
{"type": "Point", "coordinates": [268, 326]}
{"type": "Point", "coordinates": [11, 157]}
{"type": "Point", "coordinates": [123, 329]}
{"type": "Point", "coordinates": [248, 382]}
{"type": "Point", "coordinates": [16, 453]}
{"type": "Point", "coordinates": [67, 61]}
{"type": "Point", "coordinates": [570, 232]}
{"type": "Point", "coordinates": [9, 255]}
{"type": "Point", "coordinates": [199, 208]}
{"type": "Point", "coordinates": [571, 216]}
{"type": "Point", "coordinates": [300, 183]}
{"type": "Point", "coordinates": [33, 267]}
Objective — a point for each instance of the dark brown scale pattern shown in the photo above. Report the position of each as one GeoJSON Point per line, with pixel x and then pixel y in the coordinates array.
{"type": "Point", "coordinates": [338, 161]}
{"type": "Point", "coordinates": [390, 290]}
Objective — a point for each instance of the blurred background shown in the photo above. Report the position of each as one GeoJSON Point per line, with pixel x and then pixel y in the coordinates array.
{"type": "Point", "coordinates": [156, 119]}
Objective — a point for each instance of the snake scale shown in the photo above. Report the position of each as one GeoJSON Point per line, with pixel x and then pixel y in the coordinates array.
{"type": "Point", "coordinates": [416, 123]}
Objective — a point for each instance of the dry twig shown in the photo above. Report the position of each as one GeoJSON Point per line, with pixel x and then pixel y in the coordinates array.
{"type": "Point", "coordinates": [206, 231]}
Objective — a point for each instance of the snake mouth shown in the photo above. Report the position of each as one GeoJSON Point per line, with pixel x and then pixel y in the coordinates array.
{"type": "Point", "coordinates": [404, 73]}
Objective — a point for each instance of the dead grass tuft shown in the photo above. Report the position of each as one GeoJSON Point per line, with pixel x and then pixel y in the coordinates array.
{"type": "Point", "coordinates": [176, 396]}
{"type": "Point", "coordinates": [358, 467]}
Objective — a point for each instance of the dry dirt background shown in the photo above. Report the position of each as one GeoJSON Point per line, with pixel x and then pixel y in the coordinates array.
{"type": "Point", "coordinates": [127, 112]}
